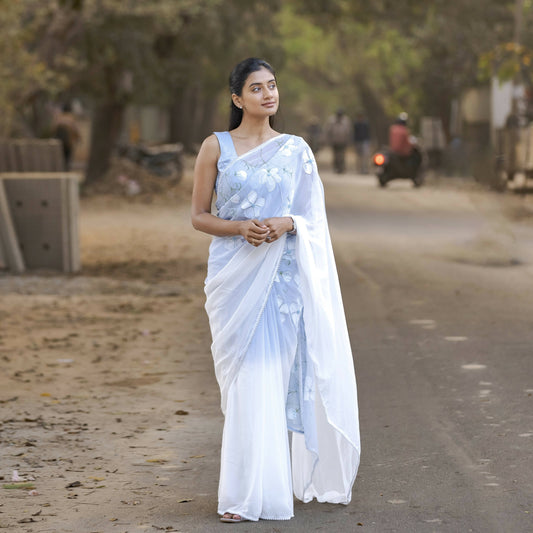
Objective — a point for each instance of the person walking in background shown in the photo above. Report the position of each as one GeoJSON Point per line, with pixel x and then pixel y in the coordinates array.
{"type": "Point", "coordinates": [314, 134]}
{"type": "Point", "coordinates": [67, 131]}
{"type": "Point", "coordinates": [339, 135]}
{"type": "Point", "coordinates": [361, 136]}
{"type": "Point", "coordinates": [280, 346]}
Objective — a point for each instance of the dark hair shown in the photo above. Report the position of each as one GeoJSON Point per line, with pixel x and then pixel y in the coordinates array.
{"type": "Point", "coordinates": [237, 79]}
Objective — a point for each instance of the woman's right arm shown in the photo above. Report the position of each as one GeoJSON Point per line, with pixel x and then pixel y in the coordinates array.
{"type": "Point", "coordinates": [205, 174]}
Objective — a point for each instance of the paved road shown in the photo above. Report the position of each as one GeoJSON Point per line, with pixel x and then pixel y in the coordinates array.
{"type": "Point", "coordinates": [437, 286]}
{"type": "Point", "coordinates": [438, 294]}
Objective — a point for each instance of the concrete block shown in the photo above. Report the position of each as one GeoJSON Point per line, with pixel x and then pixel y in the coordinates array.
{"type": "Point", "coordinates": [39, 155]}
{"type": "Point", "coordinates": [44, 210]}
{"type": "Point", "coordinates": [10, 253]}
{"type": "Point", "coordinates": [4, 165]}
{"type": "Point", "coordinates": [31, 155]}
{"type": "Point", "coordinates": [12, 159]}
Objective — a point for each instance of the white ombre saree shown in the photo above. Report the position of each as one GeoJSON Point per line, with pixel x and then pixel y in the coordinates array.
{"type": "Point", "coordinates": [280, 343]}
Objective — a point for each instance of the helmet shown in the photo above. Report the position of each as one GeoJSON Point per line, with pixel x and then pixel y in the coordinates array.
{"type": "Point", "coordinates": [403, 116]}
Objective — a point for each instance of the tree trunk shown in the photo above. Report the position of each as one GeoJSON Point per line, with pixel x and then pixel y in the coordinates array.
{"type": "Point", "coordinates": [175, 122]}
{"type": "Point", "coordinates": [106, 124]}
{"type": "Point", "coordinates": [207, 115]}
{"type": "Point", "coordinates": [182, 116]}
{"type": "Point", "coordinates": [378, 119]}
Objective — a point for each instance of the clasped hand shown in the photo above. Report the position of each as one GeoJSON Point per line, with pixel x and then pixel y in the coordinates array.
{"type": "Point", "coordinates": [257, 232]}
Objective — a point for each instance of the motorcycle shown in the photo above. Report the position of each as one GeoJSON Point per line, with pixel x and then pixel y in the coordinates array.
{"type": "Point", "coordinates": [389, 166]}
{"type": "Point", "coordinates": [164, 160]}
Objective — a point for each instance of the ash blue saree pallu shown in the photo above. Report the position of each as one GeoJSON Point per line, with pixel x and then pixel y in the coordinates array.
{"type": "Point", "coordinates": [280, 343]}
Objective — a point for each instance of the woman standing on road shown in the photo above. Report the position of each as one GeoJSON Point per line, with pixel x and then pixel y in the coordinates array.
{"type": "Point", "coordinates": [280, 343]}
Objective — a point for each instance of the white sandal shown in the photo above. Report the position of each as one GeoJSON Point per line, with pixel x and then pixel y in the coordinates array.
{"type": "Point", "coordinates": [230, 520]}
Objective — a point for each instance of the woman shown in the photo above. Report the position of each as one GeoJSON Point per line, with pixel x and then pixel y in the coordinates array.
{"type": "Point", "coordinates": [280, 343]}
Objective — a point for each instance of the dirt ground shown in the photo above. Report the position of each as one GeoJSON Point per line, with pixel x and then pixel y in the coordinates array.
{"type": "Point", "coordinates": [98, 368]}
{"type": "Point", "coordinates": [107, 379]}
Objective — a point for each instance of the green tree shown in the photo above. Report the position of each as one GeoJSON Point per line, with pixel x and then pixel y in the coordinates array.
{"type": "Point", "coordinates": [202, 56]}
{"type": "Point", "coordinates": [175, 52]}
{"type": "Point", "coordinates": [116, 60]}
{"type": "Point", "coordinates": [386, 56]}
{"type": "Point", "coordinates": [382, 56]}
{"type": "Point", "coordinates": [24, 74]}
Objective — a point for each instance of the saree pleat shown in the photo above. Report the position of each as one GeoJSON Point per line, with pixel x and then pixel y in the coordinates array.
{"type": "Point", "coordinates": [255, 477]}
{"type": "Point", "coordinates": [280, 344]}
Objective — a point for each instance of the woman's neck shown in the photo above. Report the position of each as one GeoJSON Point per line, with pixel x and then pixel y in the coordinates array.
{"type": "Point", "coordinates": [254, 129]}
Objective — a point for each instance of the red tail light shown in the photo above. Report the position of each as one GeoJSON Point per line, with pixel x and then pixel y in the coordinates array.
{"type": "Point", "coordinates": [379, 159]}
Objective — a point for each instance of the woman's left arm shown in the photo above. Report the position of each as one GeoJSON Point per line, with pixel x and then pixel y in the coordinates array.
{"type": "Point", "coordinates": [277, 226]}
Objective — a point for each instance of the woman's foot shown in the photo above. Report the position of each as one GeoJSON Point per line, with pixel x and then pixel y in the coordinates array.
{"type": "Point", "coordinates": [232, 518]}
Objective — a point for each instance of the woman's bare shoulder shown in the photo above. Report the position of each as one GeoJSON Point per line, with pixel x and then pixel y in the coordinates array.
{"type": "Point", "coordinates": [210, 148]}
{"type": "Point", "coordinates": [211, 142]}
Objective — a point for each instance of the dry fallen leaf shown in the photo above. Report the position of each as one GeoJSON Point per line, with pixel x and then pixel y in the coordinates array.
{"type": "Point", "coordinates": [19, 486]}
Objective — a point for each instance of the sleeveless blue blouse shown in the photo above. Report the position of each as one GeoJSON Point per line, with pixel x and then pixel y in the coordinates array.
{"type": "Point", "coordinates": [227, 150]}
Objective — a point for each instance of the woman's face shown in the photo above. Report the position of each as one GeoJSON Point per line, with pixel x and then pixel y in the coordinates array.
{"type": "Point", "coordinates": [259, 97]}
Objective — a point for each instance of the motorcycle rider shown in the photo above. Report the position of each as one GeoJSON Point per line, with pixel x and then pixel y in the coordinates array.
{"type": "Point", "coordinates": [400, 143]}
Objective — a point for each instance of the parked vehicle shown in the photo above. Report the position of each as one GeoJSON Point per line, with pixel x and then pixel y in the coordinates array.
{"type": "Point", "coordinates": [164, 160]}
{"type": "Point", "coordinates": [389, 166]}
